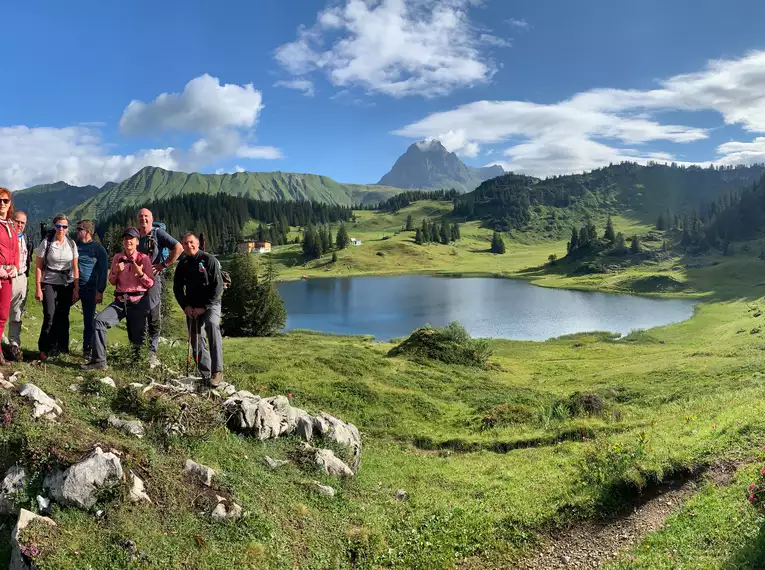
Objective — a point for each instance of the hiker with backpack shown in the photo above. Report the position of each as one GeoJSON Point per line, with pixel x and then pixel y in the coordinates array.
{"type": "Point", "coordinates": [132, 276]}
{"type": "Point", "coordinates": [19, 293]}
{"type": "Point", "coordinates": [9, 257]}
{"type": "Point", "coordinates": [164, 250]}
{"type": "Point", "coordinates": [198, 288]}
{"type": "Point", "coordinates": [57, 277]}
{"type": "Point", "coordinates": [93, 271]}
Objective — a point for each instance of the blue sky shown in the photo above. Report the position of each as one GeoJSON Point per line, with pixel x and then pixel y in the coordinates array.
{"type": "Point", "coordinates": [342, 87]}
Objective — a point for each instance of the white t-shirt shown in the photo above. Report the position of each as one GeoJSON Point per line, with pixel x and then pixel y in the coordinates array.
{"type": "Point", "coordinates": [58, 266]}
{"type": "Point", "coordinates": [22, 253]}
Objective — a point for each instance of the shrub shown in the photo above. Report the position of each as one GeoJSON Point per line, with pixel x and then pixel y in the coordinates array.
{"type": "Point", "coordinates": [451, 344]}
{"type": "Point", "coordinates": [586, 403]}
{"type": "Point", "coordinates": [506, 414]}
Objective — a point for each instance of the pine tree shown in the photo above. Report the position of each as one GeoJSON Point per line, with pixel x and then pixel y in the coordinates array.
{"type": "Point", "coordinates": [330, 239]}
{"type": "Point", "coordinates": [425, 229]}
{"type": "Point", "coordinates": [444, 233]}
{"type": "Point", "coordinates": [584, 237]}
{"type": "Point", "coordinates": [457, 231]}
{"type": "Point", "coordinates": [661, 225]}
{"type": "Point", "coordinates": [318, 246]}
{"type": "Point", "coordinates": [323, 239]}
{"type": "Point", "coordinates": [497, 243]}
{"type": "Point", "coordinates": [342, 239]}
{"type": "Point", "coordinates": [609, 234]}
{"type": "Point", "coordinates": [261, 233]}
{"type": "Point", "coordinates": [621, 243]}
{"type": "Point", "coordinates": [409, 223]}
{"type": "Point", "coordinates": [334, 257]}
{"type": "Point", "coordinates": [635, 247]}
{"type": "Point", "coordinates": [573, 244]}
{"type": "Point", "coordinates": [418, 237]}
{"type": "Point", "coordinates": [308, 245]}
{"type": "Point", "coordinates": [434, 233]}
{"type": "Point", "coordinates": [251, 305]}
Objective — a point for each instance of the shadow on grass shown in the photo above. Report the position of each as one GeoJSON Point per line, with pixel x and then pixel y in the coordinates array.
{"type": "Point", "coordinates": [752, 556]}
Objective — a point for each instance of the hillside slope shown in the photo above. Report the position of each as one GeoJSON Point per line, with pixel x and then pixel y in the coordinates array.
{"type": "Point", "coordinates": [151, 184]}
{"type": "Point", "coordinates": [45, 200]}
{"type": "Point", "coordinates": [427, 164]}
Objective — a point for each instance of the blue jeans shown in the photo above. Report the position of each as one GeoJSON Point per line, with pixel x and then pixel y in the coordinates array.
{"type": "Point", "coordinates": [88, 300]}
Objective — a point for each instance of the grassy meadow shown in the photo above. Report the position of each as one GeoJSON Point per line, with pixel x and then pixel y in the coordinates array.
{"type": "Point", "coordinates": [492, 459]}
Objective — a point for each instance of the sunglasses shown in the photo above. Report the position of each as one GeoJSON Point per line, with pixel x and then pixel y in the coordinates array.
{"type": "Point", "coordinates": [5, 200]}
{"type": "Point", "coordinates": [61, 227]}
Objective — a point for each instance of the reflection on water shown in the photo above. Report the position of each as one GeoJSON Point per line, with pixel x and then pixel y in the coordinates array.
{"type": "Point", "coordinates": [389, 307]}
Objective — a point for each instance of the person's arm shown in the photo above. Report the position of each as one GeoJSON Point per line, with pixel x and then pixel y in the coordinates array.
{"type": "Point", "coordinates": [178, 289]}
{"type": "Point", "coordinates": [76, 275]}
{"type": "Point", "coordinates": [143, 271]}
{"type": "Point", "coordinates": [102, 269]}
{"type": "Point", "coordinates": [165, 240]}
{"type": "Point", "coordinates": [38, 279]}
{"type": "Point", "coordinates": [216, 282]}
{"type": "Point", "coordinates": [114, 272]}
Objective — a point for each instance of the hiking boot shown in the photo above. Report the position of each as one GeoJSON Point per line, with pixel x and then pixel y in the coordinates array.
{"type": "Point", "coordinates": [216, 379]}
{"type": "Point", "coordinates": [95, 366]}
{"type": "Point", "coordinates": [16, 353]}
{"type": "Point", "coordinates": [87, 354]}
{"type": "Point", "coordinates": [154, 361]}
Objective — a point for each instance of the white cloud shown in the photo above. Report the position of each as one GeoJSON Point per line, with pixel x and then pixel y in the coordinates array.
{"type": "Point", "coordinates": [570, 135]}
{"type": "Point", "coordinates": [521, 23]}
{"type": "Point", "coordinates": [204, 105]}
{"type": "Point", "coordinates": [223, 115]}
{"type": "Point", "coordinates": [304, 85]}
{"type": "Point", "coordinates": [263, 152]}
{"type": "Point", "coordinates": [395, 47]}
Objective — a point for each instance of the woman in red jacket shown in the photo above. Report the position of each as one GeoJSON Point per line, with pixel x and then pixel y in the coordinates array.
{"type": "Point", "coordinates": [9, 257]}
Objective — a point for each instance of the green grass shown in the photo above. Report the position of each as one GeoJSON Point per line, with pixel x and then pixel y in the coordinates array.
{"type": "Point", "coordinates": [675, 398]}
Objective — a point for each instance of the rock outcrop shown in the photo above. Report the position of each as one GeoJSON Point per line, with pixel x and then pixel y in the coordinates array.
{"type": "Point", "coordinates": [44, 405]}
{"type": "Point", "coordinates": [202, 473]}
{"type": "Point", "coordinates": [18, 559]}
{"type": "Point", "coordinates": [14, 483]}
{"type": "Point", "coordinates": [129, 427]}
{"type": "Point", "coordinates": [79, 485]}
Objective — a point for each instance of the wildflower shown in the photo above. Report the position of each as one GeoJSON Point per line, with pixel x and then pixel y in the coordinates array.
{"type": "Point", "coordinates": [762, 470]}
{"type": "Point", "coordinates": [289, 395]}
{"type": "Point", "coordinates": [751, 486]}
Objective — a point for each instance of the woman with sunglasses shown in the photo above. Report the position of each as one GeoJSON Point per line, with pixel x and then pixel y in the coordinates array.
{"type": "Point", "coordinates": [57, 276]}
{"type": "Point", "coordinates": [9, 257]}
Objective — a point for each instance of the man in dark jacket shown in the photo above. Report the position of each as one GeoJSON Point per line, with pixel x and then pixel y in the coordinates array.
{"type": "Point", "coordinates": [198, 288]}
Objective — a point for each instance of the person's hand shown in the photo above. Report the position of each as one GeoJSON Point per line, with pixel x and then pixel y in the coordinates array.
{"type": "Point", "coordinates": [198, 312]}
{"type": "Point", "coordinates": [4, 273]}
{"type": "Point", "coordinates": [189, 311]}
{"type": "Point", "coordinates": [13, 273]}
{"type": "Point", "coordinates": [138, 269]}
{"type": "Point", "coordinates": [158, 268]}
{"type": "Point", "coordinates": [121, 266]}
{"type": "Point", "coordinates": [75, 295]}
{"type": "Point", "coordinates": [38, 294]}
{"type": "Point", "coordinates": [99, 298]}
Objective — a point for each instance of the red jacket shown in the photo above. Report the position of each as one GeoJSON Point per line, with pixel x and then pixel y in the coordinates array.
{"type": "Point", "coordinates": [9, 244]}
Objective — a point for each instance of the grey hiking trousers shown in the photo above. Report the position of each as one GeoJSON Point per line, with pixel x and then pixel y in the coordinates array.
{"type": "Point", "coordinates": [206, 327]}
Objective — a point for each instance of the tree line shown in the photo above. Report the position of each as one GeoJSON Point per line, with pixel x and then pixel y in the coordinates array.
{"type": "Point", "coordinates": [586, 238]}
{"type": "Point", "coordinates": [431, 232]}
{"type": "Point", "coordinates": [399, 201]}
{"type": "Point", "coordinates": [318, 241]}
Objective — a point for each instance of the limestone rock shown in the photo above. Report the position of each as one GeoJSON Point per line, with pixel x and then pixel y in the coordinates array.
{"type": "Point", "coordinates": [44, 404]}
{"type": "Point", "coordinates": [400, 495]}
{"type": "Point", "coordinates": [251, 415]}
{"type": "Point", "coordinates": [324, 490]}
{"type": "Point", "coordinates": [18, 562]}
{"type": "Point", "coordinates": [138, 490]}
{"type": "Point", "coordinates": [201, 472]}
{"type": "Point", "coordinates": [332, 429]}
{"type": "Point", "coordinates": [78, 486]}
{"type": "Point", "coordinates": [14, 482]}
{"type": "Point", "coordinates": [304, 427]}
{"type": "Point", "coordinates": [43, 504]}
{"type": "Point", "coordinates": [130, 427]}
{"type": "Point", "coordinates": [107, 381]}
{"type": "Point", "coordinates": [6, 385]}
{"type": "Point", "coordinates": [332, 465]}
{"type": "Point", "coordinates": [274, 463]}
{"type": "Point", "coordinates": [222, 514]}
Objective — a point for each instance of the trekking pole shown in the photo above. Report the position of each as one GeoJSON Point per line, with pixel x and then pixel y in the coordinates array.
{"type": "Point", "coordinates": [188, 347]}
{"type": "Point", "coordinates": [196, 329]}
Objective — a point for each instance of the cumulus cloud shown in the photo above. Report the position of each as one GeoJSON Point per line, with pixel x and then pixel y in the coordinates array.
{"type": "Point", "coordinates": [204, 105]}
{"type": "Point", "coordinates": [518, 23]}
{"type": "Point", "coordinates": [395, 47]}
{"type": "Point", "coordinates": [609, 125]}
{"type": "Point", "coordinates": [223, 116]}
{"type": "Point", "coordinates": [304, 85]}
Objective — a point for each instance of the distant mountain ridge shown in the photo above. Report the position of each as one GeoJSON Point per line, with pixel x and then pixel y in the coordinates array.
{"type": "Point", "coordinates": [428, 165]}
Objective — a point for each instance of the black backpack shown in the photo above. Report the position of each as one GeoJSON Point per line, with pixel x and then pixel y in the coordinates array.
{"type": "Point", "coordinates": [49, 236]}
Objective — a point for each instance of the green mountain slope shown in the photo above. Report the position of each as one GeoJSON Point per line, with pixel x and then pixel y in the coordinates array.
{"type": "Point", "coordinates": [46, 200]}
{"type": "Point", "coordinates": [151, 184]}
{"type": "Point", "coordinates": [644, 191]}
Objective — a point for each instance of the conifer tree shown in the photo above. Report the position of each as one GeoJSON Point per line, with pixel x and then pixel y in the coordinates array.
{"type": "Point", "coordinates": [443, 233]}
{"type": "Point", "coordinates": [573, 244]}
{"type": "Point", "coordinates": [621, 243]}
{"type": "Point", "coordinates": [609, 234]}
{"type": "Point", "coordinates": [497, 243]}
{"type": "Point", "coordinates": [342, 239]}
{"type": "Point", "coordinates": [409, 223]}
{"type": "Point", "coordinates": [251, 305]}
{"type": "Point", "coordinates": [635, 247]}
{"type": "Point", "coordinates": [418, 237]}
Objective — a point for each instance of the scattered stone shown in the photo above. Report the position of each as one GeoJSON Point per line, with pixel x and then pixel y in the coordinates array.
{"type": "Point", "coordinates": [275, 463]}
{"type": "Point", "coordinates": [138, 490]}
{"type": "Point", "coordinates": [74, 388]}
{"type": "Point", "coordinates": [332, 429]}
{"type": "Point", "coordinates": [45, 406]}
{"type": "Point", "coordinates": [107, 381]}
{"type": "Point", "coordinates": [401, 495]}
{"type": "Point", "coordinates": [227, 389]}
{"type": "Point", "coordinates": [565, 559]}
{"type": "Point", "coordinates": [130, 427]}
{"type": "Point", "coordinates": [14, 483]}
{"type": "Point", "coordinates": [327, 461]}
{"type": "Point", "coordinates": [13, 378]}
{"type": "Point", "coordinates": [18, 561]}
{"type": "Point", "coordinates": [78, 486]}
{"type": "Point", "coordinates": [201, 472]}
{"type": "Point", "coordinates": [324, 490]}
{"type": "Point", "coordinates": [43, 504]}
{"type": "Point", "coordinates": [6, 385]}
{"type": "Point", "coordinates": [221, 514]}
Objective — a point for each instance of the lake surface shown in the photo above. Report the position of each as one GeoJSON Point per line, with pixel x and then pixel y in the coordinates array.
{"type": "Point", "coordinates": [390, 307]}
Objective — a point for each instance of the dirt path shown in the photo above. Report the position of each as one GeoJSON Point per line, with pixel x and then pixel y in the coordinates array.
{"type": "Point", "coordinates": [590, 545]}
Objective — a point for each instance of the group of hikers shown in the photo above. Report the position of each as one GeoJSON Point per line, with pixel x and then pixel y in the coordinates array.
{"type": "Point", "coordinates": [69, 270]}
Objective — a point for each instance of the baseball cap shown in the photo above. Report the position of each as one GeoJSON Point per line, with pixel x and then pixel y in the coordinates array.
{"type": "Point", "coordinates": [86, 225]}
{"type": "Point", "coordinates": [131, 232]}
